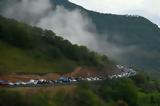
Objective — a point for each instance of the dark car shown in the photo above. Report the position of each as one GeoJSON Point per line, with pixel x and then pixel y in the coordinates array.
{"type": "Point", "coordinates": [3, 83]}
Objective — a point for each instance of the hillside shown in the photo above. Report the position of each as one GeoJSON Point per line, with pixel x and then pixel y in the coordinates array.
{"type": "Point", "coordinates": [136, 38]}
{"type": "Point", "coordinates": [40, 65]}
{"type": "Point", "coordinates": [126, 39]}
{"type": "Point", "coordinates": [27, 49]}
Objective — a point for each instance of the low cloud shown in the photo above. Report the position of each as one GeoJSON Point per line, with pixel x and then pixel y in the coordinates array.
{"type": "Point", "coordinates": [72, 25]}
{"type": "Point", "coordinates": [29, 11]}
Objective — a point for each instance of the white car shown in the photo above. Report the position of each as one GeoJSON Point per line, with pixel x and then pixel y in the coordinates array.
{"type": "Point", "coordinates": [88, 79]}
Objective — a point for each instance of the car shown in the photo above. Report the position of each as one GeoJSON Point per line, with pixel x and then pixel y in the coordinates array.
{"type": "Point", "coordinates": [88, 79]}
{"type": "Point", "coordinates": [4, 83]}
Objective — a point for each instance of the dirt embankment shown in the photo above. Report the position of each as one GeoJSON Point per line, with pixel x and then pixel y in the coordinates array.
{"type": "Point", "coordinates": [26, 77]}
{"type": "Point", "coordinates": [79, 71]}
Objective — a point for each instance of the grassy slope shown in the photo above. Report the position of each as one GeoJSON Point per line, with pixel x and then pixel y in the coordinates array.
{"type": "Point", "coordinates": [13, 59]}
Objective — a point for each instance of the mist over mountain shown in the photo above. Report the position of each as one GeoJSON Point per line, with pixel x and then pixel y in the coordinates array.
{"type": "Point", "coordinates": [129, 40]}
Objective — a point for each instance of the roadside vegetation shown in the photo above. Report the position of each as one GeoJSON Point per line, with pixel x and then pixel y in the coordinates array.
{"type": "Point", "coordinates": [135, 91]}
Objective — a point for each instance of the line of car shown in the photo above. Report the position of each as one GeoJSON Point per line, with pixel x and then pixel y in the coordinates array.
{"type": "Point", "coordinates": [61, 80]}
{"type": "Point", "coordinates": [124, 72]}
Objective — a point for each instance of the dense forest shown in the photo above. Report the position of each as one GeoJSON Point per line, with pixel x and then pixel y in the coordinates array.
{"type": "Point", "coordinates": [31, 49]}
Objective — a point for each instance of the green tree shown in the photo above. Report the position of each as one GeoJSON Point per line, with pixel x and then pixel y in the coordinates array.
{"type": "Point", "coordinates": [127, 91]}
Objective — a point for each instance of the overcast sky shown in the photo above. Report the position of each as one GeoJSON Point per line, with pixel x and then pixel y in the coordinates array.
{"type": "Point", "coordinates": [147, 8]}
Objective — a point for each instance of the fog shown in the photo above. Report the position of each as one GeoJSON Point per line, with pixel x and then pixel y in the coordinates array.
{"type": "Point", "coordinates": [73, 25]}
{"type": "Point", "coordinates": [29, 11]}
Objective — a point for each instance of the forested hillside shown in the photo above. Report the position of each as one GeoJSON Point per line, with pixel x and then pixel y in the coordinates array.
{"type": "Point", "coordinates": [38, 67]}
{"type": "Point", "coordinates": [136, 37]}
{"type": "Point", "coordinates": [126, 39]}
{"type": "Point", "coordinates": [31, 49]}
